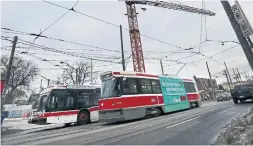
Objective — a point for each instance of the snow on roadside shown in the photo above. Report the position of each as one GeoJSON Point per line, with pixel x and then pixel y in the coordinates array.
{"type": "Point", "coordinates": [23, 125]}
{"type": "Point", "coordinates": [238, 132]}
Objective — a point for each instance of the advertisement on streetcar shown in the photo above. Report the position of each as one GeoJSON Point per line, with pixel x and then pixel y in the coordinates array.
{"type": "Point", "coordinates": [174, 94]}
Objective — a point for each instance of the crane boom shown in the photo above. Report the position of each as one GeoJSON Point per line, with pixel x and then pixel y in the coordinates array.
{"type": "Point", "coordinates": [135, 39]}
{"type": "Point", "coordinates": [174, 6]}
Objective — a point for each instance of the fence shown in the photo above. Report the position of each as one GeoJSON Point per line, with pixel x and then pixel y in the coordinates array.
{"type": "Point", "coordinates": [16, 111]}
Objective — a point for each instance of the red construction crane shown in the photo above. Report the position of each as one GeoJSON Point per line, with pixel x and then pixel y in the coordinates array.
{"type": "Point", "coordinates": [136, 46]}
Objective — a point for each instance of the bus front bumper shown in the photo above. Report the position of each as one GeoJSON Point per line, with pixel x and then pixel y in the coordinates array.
{"type": "Point", "coordinates": [37, 120]}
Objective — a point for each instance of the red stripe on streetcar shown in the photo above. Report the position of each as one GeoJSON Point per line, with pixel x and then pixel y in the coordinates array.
{"type": "Point", "coordinates": [128, 102]}
{"type": "Point", "coordinates": [193, 96]}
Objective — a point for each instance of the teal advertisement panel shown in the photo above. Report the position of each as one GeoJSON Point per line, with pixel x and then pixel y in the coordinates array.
{"type": "Point", "coordinates": [174, 94]}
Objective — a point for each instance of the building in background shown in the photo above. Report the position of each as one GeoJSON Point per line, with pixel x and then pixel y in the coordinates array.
{"type": "Point", "coordinates": [204, 83]}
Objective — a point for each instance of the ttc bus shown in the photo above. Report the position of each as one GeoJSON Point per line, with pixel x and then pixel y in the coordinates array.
{"type": "Point", "coordinates": [66, 104]}
{"type": "Point", "coordinates": [132, 95]}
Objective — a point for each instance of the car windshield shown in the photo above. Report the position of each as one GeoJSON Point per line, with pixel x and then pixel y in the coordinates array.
{"type": "Point", "coordinates": [189, 87]}
{"type": "Point", "coordinates": [110, 88]}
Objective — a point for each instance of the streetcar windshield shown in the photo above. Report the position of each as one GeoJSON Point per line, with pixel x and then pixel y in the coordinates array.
{"type": "Point", "coordinates": [189, 87]}
{"type": "Point", "coordinates": [110, 88]}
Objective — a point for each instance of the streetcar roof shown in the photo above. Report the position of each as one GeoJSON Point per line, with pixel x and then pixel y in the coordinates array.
{"type": "Point", "coordinates": [139, 74]}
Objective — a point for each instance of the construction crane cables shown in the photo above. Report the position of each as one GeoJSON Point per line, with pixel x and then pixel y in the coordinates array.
{"type": "Point", "coordinates": [109, 23]}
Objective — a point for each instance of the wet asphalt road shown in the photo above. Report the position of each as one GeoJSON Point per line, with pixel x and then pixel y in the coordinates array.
{"type": "Point", "coordinates": [196, 126]}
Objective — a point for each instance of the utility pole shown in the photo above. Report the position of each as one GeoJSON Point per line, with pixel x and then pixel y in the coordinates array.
{"type": "Point", "coordinates": [161, 63]}
{"type": "Point", "coordinates": [48, 82]}
{"type": "Point", "coordinates": [63, 78]}
{"type": "Point", "coordinates": [243, 41]}
{"type": "Point", "coordinates": [40, 84]}
{"type": "Point", "coordinates": [122, 49]}
{"type": "Point", "coordinates": [212, 96]}
{"type": "Point", "coordinates": [236, 76]}
{"type": "Point", "coordinates": [76, 75]}
{"type": "Point", "coordinates": [228, 73]}
{"type": "Point", "coordinates": [239, 75]}
{"type": "Point", "coordinates": [91, 73]}
{"type": "Point", "coordinates": [6, 82]}
{"type": "Point", "coordinates": [246, 76]}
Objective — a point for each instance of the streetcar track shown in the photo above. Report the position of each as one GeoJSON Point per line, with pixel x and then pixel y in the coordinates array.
{"type": "Point", "coordinates": [138, 129]}
{"type": "Point", "coordinates": [40, 136]}
{"type": "Point", "coordinates": [149, 128]}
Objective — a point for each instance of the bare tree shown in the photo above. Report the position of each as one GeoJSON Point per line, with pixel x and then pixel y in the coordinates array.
{"type": "Point", "coordinates": [79, 73]}
{"type": "Point", "coordinates": [22, 74]}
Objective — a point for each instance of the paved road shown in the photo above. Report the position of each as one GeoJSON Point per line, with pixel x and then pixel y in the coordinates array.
{"type": "Point", "coordinates": [197, 126]}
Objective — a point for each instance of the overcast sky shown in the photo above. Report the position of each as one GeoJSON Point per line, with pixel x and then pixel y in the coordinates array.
{"type": "Point", "coordinates": [181, 29]}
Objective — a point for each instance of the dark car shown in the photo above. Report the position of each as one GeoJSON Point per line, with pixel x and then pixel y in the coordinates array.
{"type": "Point", "coordinates": [242, 93]}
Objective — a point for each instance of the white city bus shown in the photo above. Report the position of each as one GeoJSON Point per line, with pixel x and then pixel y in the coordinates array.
{"type": "Point", "coordinates": [66, 104]}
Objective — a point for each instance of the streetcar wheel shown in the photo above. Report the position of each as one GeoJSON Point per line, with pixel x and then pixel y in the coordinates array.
{"type": "Point", "coordinates": [159, 112]}
{"type": "Point", "coordinates": [83, 118]}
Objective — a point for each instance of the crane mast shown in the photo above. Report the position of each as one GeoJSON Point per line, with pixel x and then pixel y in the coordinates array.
{"type": "Point", "coordinates": [135, 39]}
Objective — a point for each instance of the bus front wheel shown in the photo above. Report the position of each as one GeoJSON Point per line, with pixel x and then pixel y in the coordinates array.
{"type": "Point", "coordinates": [83, 118]}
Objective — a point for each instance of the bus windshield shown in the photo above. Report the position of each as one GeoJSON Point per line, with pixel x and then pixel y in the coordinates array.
{"type": "Point", "coordinates": [110, 88]}
{"type": "Point", "coordinates": [189, 87]}
{"type": "Point", "coordinates": [40, 102]}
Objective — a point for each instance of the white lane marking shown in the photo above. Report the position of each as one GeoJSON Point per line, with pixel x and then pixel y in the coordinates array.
{"type": "Point", "coordinates": [182, 122]}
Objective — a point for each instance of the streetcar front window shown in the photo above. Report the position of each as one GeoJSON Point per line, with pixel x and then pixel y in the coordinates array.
{"type": "Point", "coordinates": [189, 87]}
{"type": "Point", "coordinates": [110, 88]}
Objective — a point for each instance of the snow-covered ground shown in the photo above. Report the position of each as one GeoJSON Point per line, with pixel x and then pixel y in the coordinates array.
{"type": "Point", "coordinates": [22, 125]}
{"type": "Point", "coordinates": [239, 131]}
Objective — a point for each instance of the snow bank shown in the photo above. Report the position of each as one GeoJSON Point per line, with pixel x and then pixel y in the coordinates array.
{"type": "Point", "coordinates": [238, 132]}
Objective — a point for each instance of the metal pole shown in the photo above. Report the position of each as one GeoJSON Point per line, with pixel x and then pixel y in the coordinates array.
{"type": "Point", "coordinates": [236, 76]}
{"type": "Point", "coordinates": [161, 63]}
{"type": "Point", "coordinates": [76, 75]}
{"type": "Point", "coordinates": [6, 82]}
{"type": "Point", "coordinates": [122, 49]}
{"type": "Point", "coordinates": [63, 77]}
{"type": "Point", "coordinates": [225, 71]}
{"type": "Point", "coordinates": [181, 68]}
{"type": "Point", "coordinates": [210, 80]}
{"type": "Point", "coordinates": [246, 77]}
{"type": "Point", "coordinates": [48, 82]}
{"type": "Point", "coordinates": [244, 43]}
{"type": "Point", "coordinates": [40, 84]}
{"type": "Point", "coordinates": [228, 73]}
{"type": "Point", "coordinates": [239, 74]}
{"type": "Point", "coordinates": [91, 73]}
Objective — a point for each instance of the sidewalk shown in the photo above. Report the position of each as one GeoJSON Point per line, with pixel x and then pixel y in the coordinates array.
{"type": "Point", "coordinates": [11, 126]}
